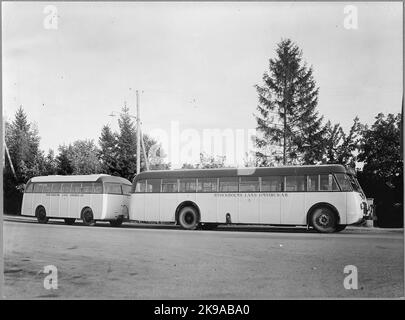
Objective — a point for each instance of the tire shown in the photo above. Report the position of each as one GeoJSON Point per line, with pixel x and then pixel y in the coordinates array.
{"type": "Point", "coordinates": [324, 220]}
{"type": "Point", "coordinates": [340, 227]}
{"type": "Point", "coordinates": [188, 218]}
{"type": "Point", "coordinates": [40, 213]}
{"type": "Point", "coordinates": [70, 221]}
{"type": "Point", "coordinates": [116, 223]}
{"type": "Point", "coordinates": [87, 217]}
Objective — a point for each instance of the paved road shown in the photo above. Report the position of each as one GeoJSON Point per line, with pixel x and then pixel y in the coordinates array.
{"type": "Point", "coordinates": [168, 263]}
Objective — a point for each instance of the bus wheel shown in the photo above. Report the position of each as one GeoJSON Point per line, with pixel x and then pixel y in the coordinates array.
{"type": "Point", "coordinates": [188, 218]}
{"type": "Point", "coordinates": [41, 215]}
{"type": "Point", "coordinates": [87, 217]}
{"type": "Point", "coordinates": [340, 227]}
{"type": "Point", "coordinates": [70, 221]}
{"type": "Point", "coordinates": [324, 220]}
{"type": "Point", "coordinates": [116, 223]}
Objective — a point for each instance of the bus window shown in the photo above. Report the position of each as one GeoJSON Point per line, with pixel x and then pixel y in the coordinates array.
{"type": "Point", "coordinates": [56, 187]}
{"type": "Point", "coordinates": [207, 185]}
{"type": "Point", "coordinates": [140, 186]}
{"type": "Point", "coordinates": [249, 184]}
{"type": "Point", "coordinates": [327, 183]}
{"type": "Point", "coordinates": [126, 189]}
{"type": "Point", "coordinates": [313, 183]}
{"type": "Point", "coordinates": [153, 185]}
{"type": "Point", "coordinates": [66, 187]}
{"type": "Point", "coordinates": [98, 188]}
{"type": "Point", "coordinates": [169, 185]}
{"type": "Point", "coordinates": [76, 188]}
{"type": "Point", "coordinates": [38, 187]}
{"type": "Point", "coordinates": [112, 188]}
{"type": "Point", "coordinates": [187, 185]}
{"type": "Point", "coordinates": [343, 181]}
{"type": "Point", "coordinates": [295, 183]}
{"type": "Point", "coordinates": [228, 184]}
{"type": "Point", "coordinates": [29, 188]}
{"type": "Point", "coordinates": [47, 187]}
{"type": "Point", "coordinates": [272, 183]}
{"type": "Point", "coordinates": [87, 187]}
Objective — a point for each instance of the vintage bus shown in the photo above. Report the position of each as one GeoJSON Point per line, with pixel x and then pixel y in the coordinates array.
{"type": "Point", "coordinates": [86, 197]}
{"type": "Point", "coordinates": [325, 197]}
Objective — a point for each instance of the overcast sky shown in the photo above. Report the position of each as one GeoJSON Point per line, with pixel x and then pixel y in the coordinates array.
{"type": "Point", "coordinates": [196, 63]}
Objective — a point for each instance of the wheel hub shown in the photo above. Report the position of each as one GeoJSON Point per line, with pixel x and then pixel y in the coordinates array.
{"type": "Point", "coordinates": [324, 220]}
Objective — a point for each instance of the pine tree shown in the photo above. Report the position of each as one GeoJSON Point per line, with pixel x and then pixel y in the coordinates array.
{"type": "Point", "coordinates": [64, 164]}
{"type": "Point", "coordinates": [288, 119]}
{"type": "Point", "coordinates": [126, 146]}
{"type": "Point", "coordinates": [22, 140]}
{"type": "Point", "coordinates": [108, 150]}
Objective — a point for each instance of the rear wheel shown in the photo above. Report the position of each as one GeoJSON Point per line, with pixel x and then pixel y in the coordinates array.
{"type": "Point", "coordinates": [41, 215]}
{"type": "Point", "coordinates": [87, 217]}
{"type": "Point", "coordinates": [70, 221]}
{"type": "Point", "coordinates": [116, 223]}
{"type": "Point", "coordinates": [324, 220]}
{"type": "Point", "coordinates": [188, 218]}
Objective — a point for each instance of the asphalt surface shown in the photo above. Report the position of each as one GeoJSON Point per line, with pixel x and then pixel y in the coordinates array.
{"type": "Point", "coordinates": [165, 262]}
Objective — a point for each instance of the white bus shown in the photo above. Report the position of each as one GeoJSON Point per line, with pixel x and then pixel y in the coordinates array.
{"type": "Point", "coordinates": [325, 197]}
{"type": "Point", "coordinates": [87, 197]}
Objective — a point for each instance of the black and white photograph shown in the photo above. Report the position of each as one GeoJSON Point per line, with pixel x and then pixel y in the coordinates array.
{"type": "Point", "coordinates": [228, 151]}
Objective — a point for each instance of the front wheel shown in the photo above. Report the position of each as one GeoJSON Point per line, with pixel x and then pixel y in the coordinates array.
{"type": "Point", "coordinates": [324, 220]}
{"type": "Point", "coordinates": [41, 215]}
{"type": "Point", "coordinates": [188, 218]}
{"type": "Point", "coordinates": [88, 218]}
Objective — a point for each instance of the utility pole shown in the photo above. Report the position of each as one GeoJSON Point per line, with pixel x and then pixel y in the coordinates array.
{"type": "Point", "coordinates": [285, 128]}
{"type": "Point", "coordinates": [138, 136]}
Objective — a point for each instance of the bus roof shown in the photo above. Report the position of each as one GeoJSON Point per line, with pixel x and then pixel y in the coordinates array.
{"type": "Point", "coordinates": [230, 172]}
{"type": "Point", "coordinates": [81, 178]}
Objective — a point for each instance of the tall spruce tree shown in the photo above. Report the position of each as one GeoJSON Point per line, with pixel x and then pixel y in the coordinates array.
{"type": "Point", "coordinates": [289, 128]}
{"type": "Point", "coordinates": [108, 150]}
{"type": "Point", "coordinates": [126, 145]}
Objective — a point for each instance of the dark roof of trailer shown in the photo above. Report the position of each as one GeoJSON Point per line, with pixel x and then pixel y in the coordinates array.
{"type": "Point", "coordinates": [81, 178]}
{"type": "Point", "coordinates": [230, 172]}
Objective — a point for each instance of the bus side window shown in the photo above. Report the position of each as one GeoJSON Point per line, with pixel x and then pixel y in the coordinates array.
{"type": "Point", "coordinates": [207, 185]}
{"type": "Point", "coordinates": [295, 183]}
{"type": "Point", "coordinates": [187, 185]}
{"type": "Point", "coordinates": [140, 186]}
{"type": "Point", "coordinates": [47, 188]}
{"type": "Point", "coordinates": [87, 187]}
{"type": "Point", "coordinates": [228, 184]}
{"type": "Point", "coordinates": [272, 184]}
{"type": "Point", "coordinates": [98, 188]}
{"type": "Point", "coordinates": [76, 188]}
{"type": "Point", "coordinates": [249, 184]}
{"type": "Point", "coordinates": [126, 189]}
{"type": "Point", "coordinates": [153, 185]}
{"type": "Point", "coordinates": [38, 187]}
{"type": "Point", "coordinates": [29, 188]}
{"type": "Point", "coordinates": [313, 183]}
{"type": "Point", "coordinates": [113, 188]}
{"type": "Point", "coordinates": [56, 187]}
{"type": "Point", "coordinates": [66, 187]}
{"type": "Point", "coordinates": [327, 183]}
{"type": "Point", "coordinates": [169, 185]}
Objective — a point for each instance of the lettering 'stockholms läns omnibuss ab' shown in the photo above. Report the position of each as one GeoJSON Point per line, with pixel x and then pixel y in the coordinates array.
{"type": "Point", "coordinates": [325, 197]}
{"type": "Point", "coordinates": [88, 197]}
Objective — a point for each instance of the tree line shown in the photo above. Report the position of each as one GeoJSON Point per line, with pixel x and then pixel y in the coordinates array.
{"type": "Point", "coordinates": [290, 131]}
